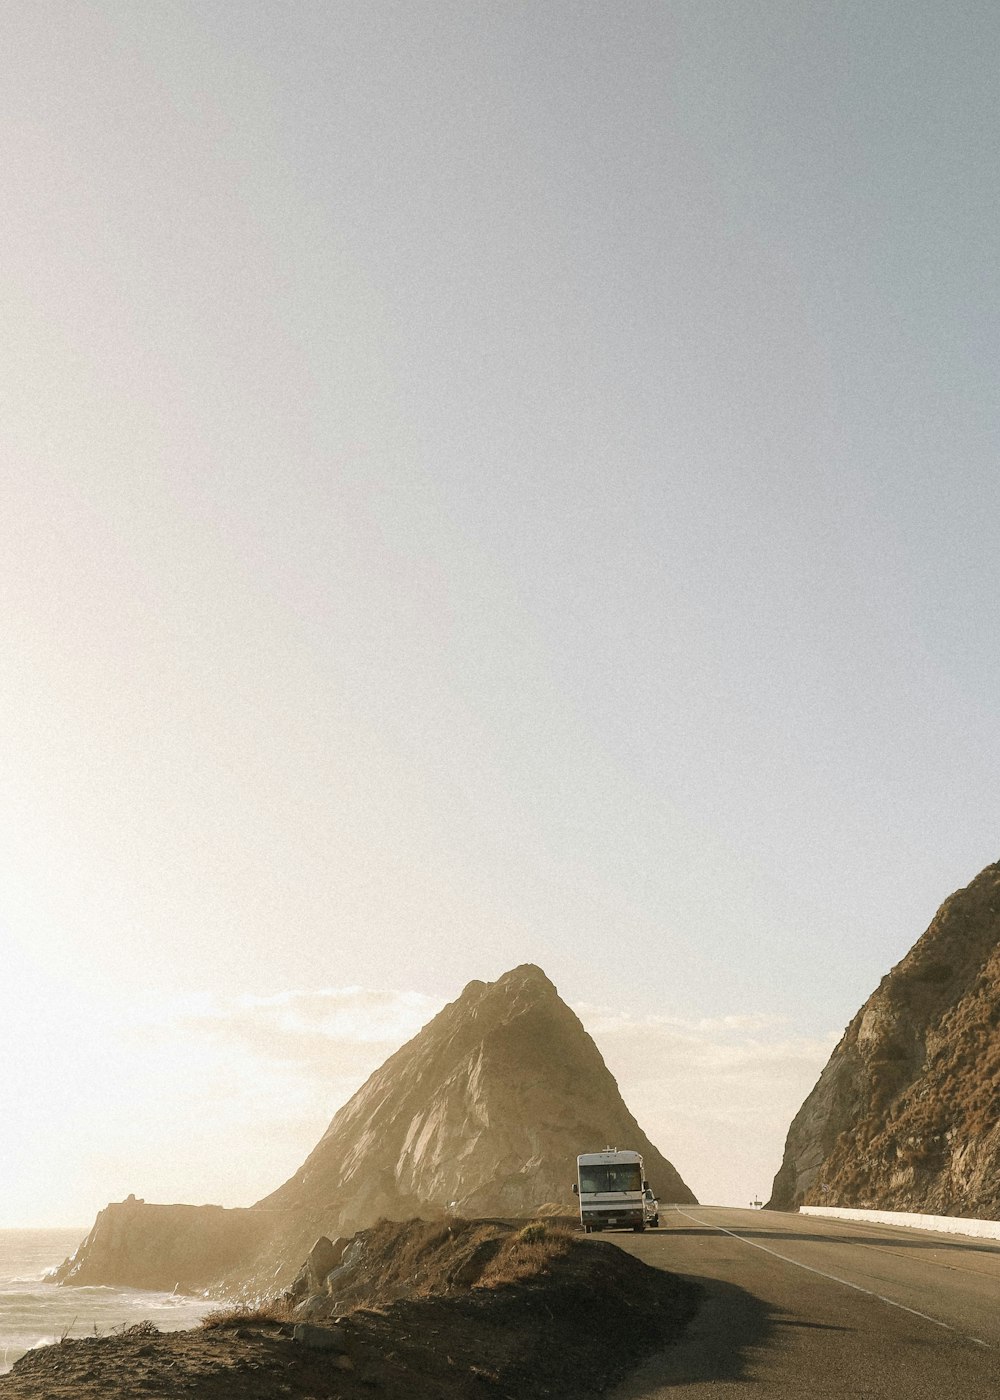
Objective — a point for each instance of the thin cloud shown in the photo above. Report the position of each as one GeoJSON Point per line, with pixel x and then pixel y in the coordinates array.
{"type": "Point", "coordinates": [601, 1019]}
{"type": "Point", "coordinates": [322, 1031]}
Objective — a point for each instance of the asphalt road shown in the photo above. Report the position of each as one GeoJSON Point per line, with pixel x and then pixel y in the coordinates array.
{"type": "Point", "coordinates": [798, 1306]}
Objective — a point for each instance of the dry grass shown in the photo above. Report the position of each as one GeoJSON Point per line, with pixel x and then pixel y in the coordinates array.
{"type": "Point", "coordinates": [413, 1257]}
{"type": "Point", "coordinates": [416, 1247]}
{"type": "Point", "coordinates": [427, 1258]}
{"type": "Point", "coordinates": [527, 1254]}
{"type": "Point", "coordinates": [419, 1259]}
{"type": "Point", "coordinates": [136, 1330]}
{"type": "Point", "coordinates": [243, 1314]}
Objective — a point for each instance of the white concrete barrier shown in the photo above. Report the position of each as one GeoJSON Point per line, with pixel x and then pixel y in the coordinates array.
{"type": "Point", "coordinates": [944, 1224]}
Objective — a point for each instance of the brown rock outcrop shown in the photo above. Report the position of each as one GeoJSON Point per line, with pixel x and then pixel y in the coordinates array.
{"type": "Point", "coordinates": [906, 1114]}
{"type": "Point", "coordinates": [166, 1247]}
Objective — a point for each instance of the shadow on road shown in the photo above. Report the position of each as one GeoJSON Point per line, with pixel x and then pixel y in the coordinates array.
{"type": "Point", "coordinates": [729, 1327]}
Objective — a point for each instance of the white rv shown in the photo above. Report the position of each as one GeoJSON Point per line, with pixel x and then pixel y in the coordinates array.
{"type": "Point", "coordinates": [613, 1191]}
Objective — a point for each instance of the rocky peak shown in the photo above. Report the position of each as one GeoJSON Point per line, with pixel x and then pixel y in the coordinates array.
{"type": "Point", "coordinates": [905, 1116]}
{"type": "Point", "coordinates": [482, 1112]}
{"type": "Point", "coordinates": [507, 996]}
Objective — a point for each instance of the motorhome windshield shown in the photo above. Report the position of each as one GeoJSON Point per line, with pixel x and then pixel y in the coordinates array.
{"type": "Point", "coordinates": [611, 1176]}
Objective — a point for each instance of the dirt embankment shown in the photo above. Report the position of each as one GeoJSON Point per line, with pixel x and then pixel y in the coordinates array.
{"type": "Point", "coordinates": [446, 1310]}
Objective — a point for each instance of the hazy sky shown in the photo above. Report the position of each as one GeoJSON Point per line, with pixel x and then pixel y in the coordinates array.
{"type": "Point", "coordinates": [481, 483]}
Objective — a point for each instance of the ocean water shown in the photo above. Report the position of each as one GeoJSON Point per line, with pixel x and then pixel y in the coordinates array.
{"type": "Point", "coordinates": [34, 1311]}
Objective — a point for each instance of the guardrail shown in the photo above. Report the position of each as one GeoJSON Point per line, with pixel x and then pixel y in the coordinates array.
{"type": "Point", "coordinates": [944, 1224]}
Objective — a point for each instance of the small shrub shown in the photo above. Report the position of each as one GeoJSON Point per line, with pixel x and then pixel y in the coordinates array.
{"type": "Point", "coordinates": [935, 972]}
{"type": "Point", "coordinates": [243, 1314]}
{"type": "Point", "coordinates": [145, 1328]}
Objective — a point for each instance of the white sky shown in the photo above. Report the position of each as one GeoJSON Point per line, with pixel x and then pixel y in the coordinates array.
{"type": "Point", "coordinates": [480, 484]}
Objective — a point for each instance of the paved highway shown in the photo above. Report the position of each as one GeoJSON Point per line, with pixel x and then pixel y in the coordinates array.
{"type": "Point", "coordinates": [798, 1306]}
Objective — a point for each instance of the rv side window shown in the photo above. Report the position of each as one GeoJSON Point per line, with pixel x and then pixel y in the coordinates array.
{"type": "Point", "coordinates": [616, 1176]}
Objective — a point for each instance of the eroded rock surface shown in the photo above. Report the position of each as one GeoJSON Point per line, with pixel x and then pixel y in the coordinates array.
{"type": "Point", "coordinates": [906, 1114]}
{"type": "Point", "coordinates": [482, 1113]}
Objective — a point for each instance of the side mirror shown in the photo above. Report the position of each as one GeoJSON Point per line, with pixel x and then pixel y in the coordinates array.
{"type": "Point", "coordinates": [576, 1189]}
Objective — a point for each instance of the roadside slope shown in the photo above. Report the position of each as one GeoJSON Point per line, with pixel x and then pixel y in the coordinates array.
{"type": "Point", "coordinates": [451, 1311]}
{"type": "Point", "coordinates": [906, 1114]}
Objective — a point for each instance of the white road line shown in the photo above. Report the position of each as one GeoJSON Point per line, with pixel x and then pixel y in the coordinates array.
{"type": "Point", "coordinates": [869, 1292]}
{"type": "Point", "coordinates": [858, 1243]}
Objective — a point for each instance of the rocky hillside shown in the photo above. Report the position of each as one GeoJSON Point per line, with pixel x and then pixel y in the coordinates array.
{"type": "Point", "coordinates": [482, 1113]}
{"type": "Point", "coordinates": [906, 1114]}
{"type": "Point", "coordinates": [454, 1310]}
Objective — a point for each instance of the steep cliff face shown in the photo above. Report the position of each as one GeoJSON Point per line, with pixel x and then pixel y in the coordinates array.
{"type": "Point", "coordinates": [906, 1114]}
{"type": "Point", "coordinates": [134, 1245]}
{"type": "Point", "coordinates": [482, 1113]}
